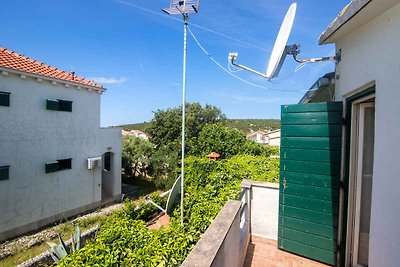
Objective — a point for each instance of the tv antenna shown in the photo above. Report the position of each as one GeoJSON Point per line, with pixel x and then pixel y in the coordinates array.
{"type": "Point", "coordinates": [281, 49]}
{"type": "Point", "coordinates": [184, 8]}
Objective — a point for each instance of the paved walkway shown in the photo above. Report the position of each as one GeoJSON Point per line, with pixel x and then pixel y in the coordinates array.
{"type": "Point", "coordinates": [130, 191]}
{"type": "Point", "coordinates": [264, 252]}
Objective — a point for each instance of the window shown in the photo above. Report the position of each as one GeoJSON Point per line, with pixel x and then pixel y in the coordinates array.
{"type": "Point", "coordinates": [59, 165]}
{"type": "Point", "coordinates": [4, 99]}
{"type": "Point", "coordinates": [4, 172]}
{"type": "Point", "coordinates": [59, 105]}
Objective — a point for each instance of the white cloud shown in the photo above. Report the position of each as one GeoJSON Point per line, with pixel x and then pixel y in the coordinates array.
{"type": "Point", "coordinates": [108, 80]}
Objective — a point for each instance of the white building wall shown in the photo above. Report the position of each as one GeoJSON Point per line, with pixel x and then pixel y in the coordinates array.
{"type": "Point", "coordinates": [371, 55]}
{"type": "Point", "coordinates": [264, 209]}
{"type": "Point", "coordinates": [31, 136]}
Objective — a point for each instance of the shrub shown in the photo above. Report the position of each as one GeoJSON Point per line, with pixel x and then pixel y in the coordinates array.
{"type": "Point", "coordinates": [124, 240]}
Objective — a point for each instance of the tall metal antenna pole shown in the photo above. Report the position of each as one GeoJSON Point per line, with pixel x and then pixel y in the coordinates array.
{"type": "Point", "coordinates": [183, 7]}
{"type": "Point", "coordinates": [185, 20]}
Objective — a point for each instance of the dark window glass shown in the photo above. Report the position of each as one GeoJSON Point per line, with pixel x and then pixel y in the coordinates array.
{"type": "Point", "coordinates": [59, 105]}
{"type": "Point", "coordinates": [59, 165]}
{"type": "Point", "coordinates": [107, 161]}
{"type": "Point", "coordinates": [4, 99]}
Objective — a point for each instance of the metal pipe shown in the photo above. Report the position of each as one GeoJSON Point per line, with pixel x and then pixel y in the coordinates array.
{"type": "Point", "coordinates": [247, 68]}
{"type": "Point", "coordinates": [185, 20]}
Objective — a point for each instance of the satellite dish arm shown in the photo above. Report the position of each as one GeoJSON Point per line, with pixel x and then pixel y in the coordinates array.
{"type": "Point", "coordinates": [295, 50]}
{"type": "Point", "coordinates": [232, 58]}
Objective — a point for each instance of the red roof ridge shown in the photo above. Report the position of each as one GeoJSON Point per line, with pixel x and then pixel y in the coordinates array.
{"type": "Point", "coordinates": [13, 60]}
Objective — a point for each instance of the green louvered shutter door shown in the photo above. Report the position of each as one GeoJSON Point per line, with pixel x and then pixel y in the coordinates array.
{"type": "Point", "coordinates": [311, 137]}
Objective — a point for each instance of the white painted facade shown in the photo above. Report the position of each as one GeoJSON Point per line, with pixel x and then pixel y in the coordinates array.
{"type": "Point", "coordinates": [370, 56]}
{"type": "Point", "coordinates": [274, 138]}
{"type": "Point", "coordinates": [258, 137]}
{"type": "Point", "coordinates": [31, 136]}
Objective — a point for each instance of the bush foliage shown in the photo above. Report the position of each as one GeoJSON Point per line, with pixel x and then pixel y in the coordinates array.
{"type": "Point", "coordinates": [124, 240]}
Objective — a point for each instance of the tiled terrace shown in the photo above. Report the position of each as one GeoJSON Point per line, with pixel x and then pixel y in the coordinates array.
{"type": "Point", "coordinates": [265, 252]}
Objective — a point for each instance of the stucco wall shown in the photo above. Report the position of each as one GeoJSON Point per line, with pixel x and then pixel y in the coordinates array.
{"type": "Point", "coordinates": [370, 55]}
{"type": "Point", "coordinates": [264, 209]}
{"type": "Point", "coordinates": [31, 136]}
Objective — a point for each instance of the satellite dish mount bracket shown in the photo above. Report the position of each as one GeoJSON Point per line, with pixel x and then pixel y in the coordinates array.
{"type": "Point", "coordinates": [294, 50]}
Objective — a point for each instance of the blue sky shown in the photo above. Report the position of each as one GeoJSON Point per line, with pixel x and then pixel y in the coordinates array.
{"type": "Point", "coordinates": [135, 51]}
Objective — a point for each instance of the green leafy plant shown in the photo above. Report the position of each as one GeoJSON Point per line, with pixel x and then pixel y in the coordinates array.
{"type": "Point", "coordinates": [124, 239]}
{"type": "Point", "coordinates": [57, 252]}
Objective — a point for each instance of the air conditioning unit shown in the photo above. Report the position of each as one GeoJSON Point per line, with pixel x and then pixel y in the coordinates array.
{"type": "Point", "coordinates": [93, 163]}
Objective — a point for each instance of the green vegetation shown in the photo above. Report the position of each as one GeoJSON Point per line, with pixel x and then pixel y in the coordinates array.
{"type": "Point", "coordinates": [243, 125]}
{"type": "Point", "coordinates": [166, 129]}
{"type": "Point", "coordinates": [64, 229]}
{"type": "Point", "coordinates": [207, 131]}
{"type": "Point", "coordinates": [227, 142]}
{"type": "Point", "coordinates": [142, 126]}
{"type": "Point", "coordinates": [57, 252]}
{"type": "Point", "coordinates": [124, 239]}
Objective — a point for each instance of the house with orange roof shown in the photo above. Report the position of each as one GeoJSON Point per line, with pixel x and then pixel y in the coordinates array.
{"type": "Point", "coordinates": [55, 160]}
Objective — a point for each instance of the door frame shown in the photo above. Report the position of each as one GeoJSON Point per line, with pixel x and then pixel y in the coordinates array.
{"type": "Point", "coordinates": [355, 177]}
{"type": "Point", "coordinates": [344, 229]}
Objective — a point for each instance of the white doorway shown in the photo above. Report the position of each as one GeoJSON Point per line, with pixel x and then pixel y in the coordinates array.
{"type": "Point", "coordinates": [360, 181]}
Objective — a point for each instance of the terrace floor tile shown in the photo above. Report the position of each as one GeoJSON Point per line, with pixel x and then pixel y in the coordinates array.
{"type": "Point", "coordinates": [263, 252]}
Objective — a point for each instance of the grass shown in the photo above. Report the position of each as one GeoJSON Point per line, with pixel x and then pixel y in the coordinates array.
{"type": "Point", "coordinates": [64, 229]}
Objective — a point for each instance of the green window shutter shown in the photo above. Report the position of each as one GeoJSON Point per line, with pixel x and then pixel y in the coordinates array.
{"type": "Point", "coordinates": [310, 166]}
{"type": "Point", "coordinates": [4, 172]}
{"type": "Point", "coordinates": [4, 99]}
{"type": "Point", "coordinates": [52, 104]}
{"type": "Point", "coordinates": [52, 167]}
{"type": "Point", "coordinates": [65, 105]}
{"type": "Point", "coordinates": [59, 165]}
{"type": "Point", "coordinates": [64, 164]}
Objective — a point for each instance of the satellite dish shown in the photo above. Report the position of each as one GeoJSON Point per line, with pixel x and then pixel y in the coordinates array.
{"type": "Point", "coordinates": [278, 55]}
{"type": "Point", "coordinates": [175, 192]}
{"type": "Point", "coordinates": [281, 49]}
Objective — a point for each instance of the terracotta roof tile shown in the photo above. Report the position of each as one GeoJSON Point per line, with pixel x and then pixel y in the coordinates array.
{"type": "Point", "coordinates": [10, 59]}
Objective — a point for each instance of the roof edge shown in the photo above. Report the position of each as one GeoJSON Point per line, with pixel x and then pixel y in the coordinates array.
{"type": "Point", "coordinates": [352, 9]}
{"type": "Point", "coordinates": [52, 79]}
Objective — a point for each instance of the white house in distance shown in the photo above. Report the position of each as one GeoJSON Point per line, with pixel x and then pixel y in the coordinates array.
{"type": "Point", "coordinates": [258, 137]}
{"type": "Point", "coordinates": [271, 138]}
{"type": "Point", "coordinates": [55, 161]}
{"type": "Point", "coordinates": [139, 134]}
{"type": "Point", "coordinates": [136, 133]}
{"type": "Point", "coordinates": [274, 138]}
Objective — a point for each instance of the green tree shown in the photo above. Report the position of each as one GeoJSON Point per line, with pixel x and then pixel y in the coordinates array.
{"type": "Point", "coordinates": [165, 129]}
{"type": "Point", "coordinates": [164, 167]}
{"type": "Point", "coordinates": [227, 142]}
{"type": "Point", "coordinates": [136, 155]}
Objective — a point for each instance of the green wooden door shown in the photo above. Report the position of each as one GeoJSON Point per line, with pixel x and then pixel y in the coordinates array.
{"type": "Point", "coordinates": [311, 136]}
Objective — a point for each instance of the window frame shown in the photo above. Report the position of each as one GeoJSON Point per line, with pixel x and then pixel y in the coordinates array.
{"type": "Point", "coordinates": [59, 105]}
{"type": "Point", "coordinates": [5, 99]}
{"type": "Point", "coordinates": [4, 172]}
{"type": "Point", "coordinates": [58, 165]}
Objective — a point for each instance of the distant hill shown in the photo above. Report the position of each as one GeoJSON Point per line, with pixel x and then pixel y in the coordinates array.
{"type": "Point", "coordinates": [244, 125]}
{"type": "Point", "coordinates": [136, 126]}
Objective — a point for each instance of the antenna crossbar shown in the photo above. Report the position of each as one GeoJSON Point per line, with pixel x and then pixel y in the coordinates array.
{"type": "Point", "coordinates": [182, 7]}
